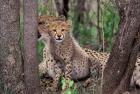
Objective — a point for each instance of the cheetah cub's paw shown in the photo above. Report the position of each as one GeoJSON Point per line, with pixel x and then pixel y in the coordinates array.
{"type": "Point", "coordinates": [87, 82]}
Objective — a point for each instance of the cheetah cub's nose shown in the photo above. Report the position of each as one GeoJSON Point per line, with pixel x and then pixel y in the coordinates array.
{"type": "Point", "coordinates": [59, 36]}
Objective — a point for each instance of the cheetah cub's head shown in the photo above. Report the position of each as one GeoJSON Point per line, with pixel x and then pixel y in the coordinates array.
{"type": "Point", "coordinates": [59, 30]}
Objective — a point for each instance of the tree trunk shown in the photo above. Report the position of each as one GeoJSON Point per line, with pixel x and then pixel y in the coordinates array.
{"type": "Point", "coordinates": [66, 8]}
{"type": "Point", "coordinates": [30, 50]}
{"type": "Point", "coordinates": [120, 65]}
{"type": "Point", "coordinates": [45, 2]}
{"type": "Point", "coordinates": [80, 10]}
{"type": "Point", "coordinates": [62, 7]}
{"type": "Point", "coordinates": [11, 81]}
{"type": "Point", "coordinates": [98, 23]}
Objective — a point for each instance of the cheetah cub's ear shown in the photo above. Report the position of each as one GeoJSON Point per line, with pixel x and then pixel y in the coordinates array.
{"type": "Point", "coordinates": [42, 29]}
{"type": "Point", "coordinates": [43, 32]}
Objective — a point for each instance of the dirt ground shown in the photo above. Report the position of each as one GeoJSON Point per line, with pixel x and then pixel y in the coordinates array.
{"type": "Point", "coordinates": [93, 86]}
{"type": "Point", "coordinates": [90, 85]}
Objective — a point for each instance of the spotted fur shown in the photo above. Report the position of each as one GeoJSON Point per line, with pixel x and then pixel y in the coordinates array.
{"type": "Point", "coordinates": [103, 57]}
{"type": "Point", "coordinates": [77, 61]}
{"type": "Point", "coordinates": [66, 50]}
{"type": "Point", "coordinates": [49, 65]}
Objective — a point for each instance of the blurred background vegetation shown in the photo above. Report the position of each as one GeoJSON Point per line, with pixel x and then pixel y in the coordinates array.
{"type": "Point", "coordinates": [95, 22]}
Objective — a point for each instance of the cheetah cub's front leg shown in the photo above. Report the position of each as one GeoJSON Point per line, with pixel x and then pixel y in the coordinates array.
{"type": "Point", "coordinates": [49, 65]}
{"type": "Point", "coordinates": [68, 71]}
{"type": "Point", "coordinates": [68, 74]}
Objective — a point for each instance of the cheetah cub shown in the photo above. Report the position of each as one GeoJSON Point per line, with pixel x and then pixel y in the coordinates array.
{"type": "Point", "coordinates": [61, 46]}
{"type": "Point", "coordinates": [64, 48]}
{"type": "Point", "coordinates": [49, 65]}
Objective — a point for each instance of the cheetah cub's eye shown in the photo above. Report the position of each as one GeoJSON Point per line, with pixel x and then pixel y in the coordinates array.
{"type": "Point", "coordinates": [54, 30]}
{"type": "Point", "coordinates": [63, 30]}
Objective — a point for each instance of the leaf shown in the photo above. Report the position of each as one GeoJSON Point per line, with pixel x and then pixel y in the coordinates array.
{"type": "Point", "coordinates": [71, 83]}
{"type": "Point", "coordinates": [68, 91]}
{"type": "Point", "coordinates": [63, 86]}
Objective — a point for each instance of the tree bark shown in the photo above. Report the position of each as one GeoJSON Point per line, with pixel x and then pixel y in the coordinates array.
{"type": "Point", "coordinates": [45, 2]}
{"type": "Point", "coordinates": [80, 10]}
{"type": "Point", "coordinates": [11, 81]}
{"type": "Point", "coordinates": [66, 8]}
{"type": "Point", "coordinates": [62, 7]}
{"type": "Point", "coordinates": [30, 50]}
{"type": "Point", "coordinates": [125, 82]}
{"type": "Point", "coordinates": [120, 65]}
{"type": "Point", "coordinates": [98, 22]}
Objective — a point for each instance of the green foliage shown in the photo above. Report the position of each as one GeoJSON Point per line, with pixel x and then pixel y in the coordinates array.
{"type": "Point", "coordinates": [42, 9]}
{"type": "Point", "coordinates": [72, 88]}
{"type": "Point", "coordinates": [86, 31]}
{"type": "Point", "coordinates": [40, 47]}
{"type": "Point", "coordinates": [110, 23]}
{"type": "Point", "coordinates": [48, 8]}
{"type": "Point", "coordinates": [83, 31]}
